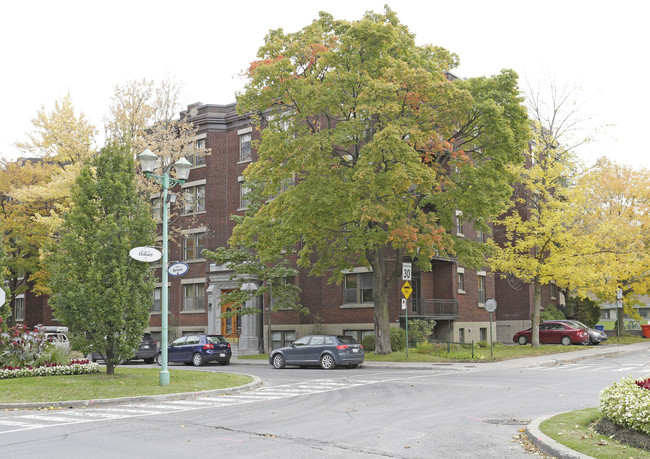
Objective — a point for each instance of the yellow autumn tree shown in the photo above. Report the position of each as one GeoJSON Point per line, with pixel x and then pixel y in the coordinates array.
{"type": "Point", "coordinates": [619, 211]}
{"type": "Point", "coordinates": [543, 237]}
{"type": "Point", "coordinates": [22, 237]}
{"type": "Point", "coordinates": [144, 114]}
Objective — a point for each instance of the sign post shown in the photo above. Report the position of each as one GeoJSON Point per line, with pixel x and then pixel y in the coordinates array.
{"type": "Point", "coordinates": [406, 291]}
{"type": "Point", "coordinates": [491, 306]}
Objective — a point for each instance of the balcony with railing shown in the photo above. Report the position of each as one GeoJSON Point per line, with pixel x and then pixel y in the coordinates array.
{"type": "Point", "coordinates": [432, 308]}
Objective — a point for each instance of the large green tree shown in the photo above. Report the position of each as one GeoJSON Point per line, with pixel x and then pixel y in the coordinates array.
{"type": "Point", "coordinates": [100, 293]}
{"type": "Point", "coordinates": [372, 148]}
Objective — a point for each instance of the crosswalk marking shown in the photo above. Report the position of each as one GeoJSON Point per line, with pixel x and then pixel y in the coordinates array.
{"type": "Point", "coordinates": [13, 421]}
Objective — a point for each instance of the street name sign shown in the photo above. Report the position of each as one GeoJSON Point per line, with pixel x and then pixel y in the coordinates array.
{"type": "Point", "coordinates": [177, 269]}
{"type": "Point", "coordinates": [148, 254]}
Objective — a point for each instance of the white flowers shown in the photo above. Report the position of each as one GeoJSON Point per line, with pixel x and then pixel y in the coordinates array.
{"type": "Point", "coordinates": [74, 368]}
{"type": "Point", "coordinates": [627, 404]}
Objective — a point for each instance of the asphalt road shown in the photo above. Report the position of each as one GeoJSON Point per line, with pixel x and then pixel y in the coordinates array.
{"type": "Point", "coordinates": [400, 411]}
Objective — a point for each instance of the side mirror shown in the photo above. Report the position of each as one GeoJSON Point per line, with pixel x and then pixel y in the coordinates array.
{"type": "Point", "coordinates": [292, 344]}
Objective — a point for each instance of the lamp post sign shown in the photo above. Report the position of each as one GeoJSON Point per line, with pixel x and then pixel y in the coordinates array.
{"type": "Point", "coordinates": [148, 162]}
{"type": "Point", "coordinates": [147, 254]}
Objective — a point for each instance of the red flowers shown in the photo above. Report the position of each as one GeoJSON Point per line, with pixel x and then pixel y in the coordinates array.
{"type": "Point", "coordinates": [644, 383]}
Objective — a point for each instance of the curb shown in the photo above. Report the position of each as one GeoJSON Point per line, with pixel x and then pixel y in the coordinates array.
{"type": "Point", "coordinates": [549, 446]}
{"type": "Point", "coordinates": [257, 382]}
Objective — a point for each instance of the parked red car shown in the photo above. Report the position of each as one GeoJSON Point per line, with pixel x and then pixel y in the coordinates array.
{"type": "Point", "coordinates": [551, 332]}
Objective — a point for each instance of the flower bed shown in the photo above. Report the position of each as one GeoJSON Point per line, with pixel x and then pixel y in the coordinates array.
{"type": "Point", "coordinates": [627, 404]}
{"type": "Point", "coordinates": [75, 367]}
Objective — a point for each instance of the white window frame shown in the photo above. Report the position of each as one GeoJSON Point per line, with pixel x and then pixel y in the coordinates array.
{"type": "Point", "coordinates": [194, 200]}
{"type": "Point", "coordinates": [19, 311]}
{"type": "Point", "coordinates": [459, 223]}
{"type": "Point", "coordinates": [244, 192]}
{"type": "Point", "coordinates": [245, 145]}
{"type": "Point", "coordinates": [362, 276]}
{"type": "Point", "coordinates": [460, 277]}
{"type": "Point", "coordinates": [481, 275]}
{"type": "Point", "coordinates": [198, 249]}
{"type": "Point", "coordinates": [194, 303]}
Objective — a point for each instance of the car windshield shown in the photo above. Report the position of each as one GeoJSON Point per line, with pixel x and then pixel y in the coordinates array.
{"type": "Point", "coordinates": [347, 340]}
{"type": "Point", "coordinates": [216, 339]}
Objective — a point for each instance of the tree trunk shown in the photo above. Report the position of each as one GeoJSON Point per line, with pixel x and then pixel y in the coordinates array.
{"type": "Point", "coordinates": [537, 308]}
{"type": "Point", "coordinates": [620, 322]}
{"type": "Point", "coordinates": [380, 300]}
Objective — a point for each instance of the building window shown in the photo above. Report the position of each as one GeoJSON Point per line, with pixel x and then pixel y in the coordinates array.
{"type": "Point", "coordinates": [284, 186]}
{"type": "Point", "coordinates": [244, 196]}
{"type": "Point", "coordinates": [156, 209]}
{"type": "Point", "coordinates": [483, 333]}
{"type": "Point", "coordinates": [459, 223]}
{"type": "Point", "coordinates": [196, 155]}
{"type": "Point", "coordinates": [480, 236]}
{"type": "Point", "coordinates": [19, 308]}
{"type": "Point", "coordinates": [157, 299]}
{"type": "Point", "coordinates": [460, 275]}
{"type": "Point", "coordinates": [358, 288]}
{"type": "Point", "coordinates": [481, 289]}
{"type": "Point", "coordinates": [282, 338]}
{"type": "Point", "coordinates": [289, 280]}
{"type": "Point", "coordinates": [245, 147]}
{"type": "Point", "coordinates": [461, 335]}
{"type": "Point", "coordinates": [194, 246]}
{"type": "Point", "coordinates": [194, 199]}
{"type": "Point", "coordinates": [193, 295]}
{"type": "Point", "coordinates": [553, 290]}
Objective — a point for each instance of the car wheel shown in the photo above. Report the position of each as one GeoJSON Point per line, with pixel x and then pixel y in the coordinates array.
{"type": "Point", "coordinates": [327, 362]}
{"type": "Point", "coordinates": [225, 362]}
{"type": "Point", "coordinates": [197, 360]}
{"type": "Point", "coordinates": [566, 340]}
{"type": "Point", "coordinates": [148, 360]}
{"type": "Point", "coordinates": [158, 359]}
{"type": "Point", "coordinates": [522, 340]}
{"type": "Point", "coordinates": [278, 361]}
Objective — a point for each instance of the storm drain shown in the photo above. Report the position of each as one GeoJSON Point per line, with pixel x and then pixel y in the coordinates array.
{"type": "Point", "coordinates": [507, 422]}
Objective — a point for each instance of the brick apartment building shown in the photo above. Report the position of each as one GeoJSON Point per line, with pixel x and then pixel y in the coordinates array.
{"type": "Point", "coordinates": [450, 294]}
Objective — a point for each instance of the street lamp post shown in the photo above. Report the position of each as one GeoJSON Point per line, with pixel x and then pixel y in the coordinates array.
{"type": "Point", "coordinates": [148, 163]}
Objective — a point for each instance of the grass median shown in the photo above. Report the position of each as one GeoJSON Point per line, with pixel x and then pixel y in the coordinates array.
{"type": "Point", "coordinates": [126, 382]}
{"type": "Point", "coordinates": [575, 430]}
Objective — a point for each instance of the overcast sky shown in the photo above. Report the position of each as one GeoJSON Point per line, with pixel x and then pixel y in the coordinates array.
{"type": "Point", "coordinates": [86, 48]}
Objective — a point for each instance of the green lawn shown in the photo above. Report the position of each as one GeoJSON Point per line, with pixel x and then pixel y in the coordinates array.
{"type": "Point", "coordinates": [575, 430]}
{"type": "Point", "coordinates": [126, 382]}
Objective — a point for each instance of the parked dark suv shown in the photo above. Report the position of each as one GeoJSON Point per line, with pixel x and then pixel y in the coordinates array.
{"type": "Point", "coordinates": [197, 350]}
{"type": "Point", "coordinates": [328, 351]}
{"type": "Point", "coordinates": [146, 351]}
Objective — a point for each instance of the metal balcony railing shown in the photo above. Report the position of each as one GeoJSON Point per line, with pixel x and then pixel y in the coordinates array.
{"type": "Point", "coordinates": [432, 308]}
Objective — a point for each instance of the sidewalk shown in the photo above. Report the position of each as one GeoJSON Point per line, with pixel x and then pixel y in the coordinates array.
{"type": "Point", "coordinates": [524, 362]}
